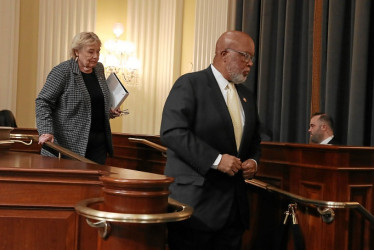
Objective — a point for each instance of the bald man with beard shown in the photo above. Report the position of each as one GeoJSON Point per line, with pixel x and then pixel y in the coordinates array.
{"type": "Point", "coordinates": [208, 163]}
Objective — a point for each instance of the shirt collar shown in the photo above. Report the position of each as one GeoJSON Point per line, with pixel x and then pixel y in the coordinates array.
{"type": "Point", "coordinates": [222, 82]}
{"type": "Point", "coordinates": [326, 141]}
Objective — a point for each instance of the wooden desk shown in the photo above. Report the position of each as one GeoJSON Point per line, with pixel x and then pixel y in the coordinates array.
{"type": "Point", "coordinates": [320, 172]}
{"type": "Point", "coordinates": [38, 195]}
{"type": "Point", "coordinates": [127, 154]}
{"type": "Point", "coordinates": [137, 156]}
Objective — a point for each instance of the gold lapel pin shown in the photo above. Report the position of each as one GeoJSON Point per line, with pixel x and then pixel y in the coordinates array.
{"type": "Point", "coordinates": [245, 100]}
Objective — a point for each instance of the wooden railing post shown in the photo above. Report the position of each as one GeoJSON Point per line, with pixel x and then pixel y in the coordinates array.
{"type": "Point", "coordinates": [137, 196]}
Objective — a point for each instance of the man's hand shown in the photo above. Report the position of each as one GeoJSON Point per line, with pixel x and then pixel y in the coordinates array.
{"type": "Point", "coordinates": [229, 164]}
{"type": "Point", "coordinates": [249, 168]}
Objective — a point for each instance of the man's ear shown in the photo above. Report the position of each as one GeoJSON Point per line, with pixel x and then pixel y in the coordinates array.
{"type": "Point", "coordinates": [223, 55]}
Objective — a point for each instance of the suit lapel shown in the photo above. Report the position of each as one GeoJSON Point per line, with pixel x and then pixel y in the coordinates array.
{"type": "Point", "coordinates": [80, 85]}
{"type": "Point", "coordinates": [221, 106]}
{"type": "Point", "coordinates": [248, 111]}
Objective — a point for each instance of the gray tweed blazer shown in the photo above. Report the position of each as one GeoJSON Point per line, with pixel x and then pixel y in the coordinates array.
{"type": "Point", "coordinates": [63, 107]}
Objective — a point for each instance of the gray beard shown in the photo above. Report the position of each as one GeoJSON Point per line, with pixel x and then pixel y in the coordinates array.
{"type": "Point", "coordinates": [237, 78]}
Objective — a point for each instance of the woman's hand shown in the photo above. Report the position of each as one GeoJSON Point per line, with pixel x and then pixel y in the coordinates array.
{"type": "Point", "coordinates": [45, 137]}
{"type": "Point", "coordinates": [114, 113]}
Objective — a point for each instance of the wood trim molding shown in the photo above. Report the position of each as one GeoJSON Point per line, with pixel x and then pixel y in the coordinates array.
{"type": "Point", "coordinates": [317, 52]}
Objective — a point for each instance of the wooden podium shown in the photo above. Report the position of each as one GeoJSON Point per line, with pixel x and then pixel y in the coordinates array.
{"type": "Point", "coordinates": [318, 172]}
{"type": "Point", "coordinates": [38, 196]}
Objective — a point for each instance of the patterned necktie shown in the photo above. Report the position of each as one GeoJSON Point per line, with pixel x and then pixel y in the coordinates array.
{"type": "Point", "coordinates": [233, 104]}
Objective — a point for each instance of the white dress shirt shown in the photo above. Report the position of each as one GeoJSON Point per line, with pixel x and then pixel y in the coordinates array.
{"type": "Point", "coordinates": [325, 141]}
{"type": "Point", "coordinates": [222, 83]}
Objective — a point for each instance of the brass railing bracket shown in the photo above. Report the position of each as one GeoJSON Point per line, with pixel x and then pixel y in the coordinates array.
{"type": "Point", "coordinates": [103, 226]}
{"type": "Point", "coordinates": [327, 214]}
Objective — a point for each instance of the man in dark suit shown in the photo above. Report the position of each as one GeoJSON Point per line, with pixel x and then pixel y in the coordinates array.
{"type": "Point", "coordinates": [210, 152]}
{"type": "Point", "coordinates": [321, 129]}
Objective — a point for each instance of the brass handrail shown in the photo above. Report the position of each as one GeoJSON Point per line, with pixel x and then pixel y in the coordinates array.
{"type": "Point", "coordinates": [317, 203]}
{"type": "Point", "coordinates": [102, 219]}
{"type": "Point", "coordinates": [149, 143]}
{"type": "Point", "coordinates": [179, 212]}
{"type": "Point", "coordinates": [54, 146]}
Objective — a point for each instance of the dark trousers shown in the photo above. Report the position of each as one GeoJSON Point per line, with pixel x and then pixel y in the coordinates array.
{"type": "Point", "coordinates": [96, 147]}
{"type": "Point", "coordinates": [182, 237]}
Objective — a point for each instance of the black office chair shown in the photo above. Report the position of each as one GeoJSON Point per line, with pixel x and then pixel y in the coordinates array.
{"type": "Point", "coordinates": [7, 119]}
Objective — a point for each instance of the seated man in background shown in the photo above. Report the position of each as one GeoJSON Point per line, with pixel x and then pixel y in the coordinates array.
{"type": "Point", "coordinates": [321, 129]}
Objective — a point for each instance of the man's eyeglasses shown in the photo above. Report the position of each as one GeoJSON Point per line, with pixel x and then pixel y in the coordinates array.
{"type": "Point", "coordinates": [247, 57]}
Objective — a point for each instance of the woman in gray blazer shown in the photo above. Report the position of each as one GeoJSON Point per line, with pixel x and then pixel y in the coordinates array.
{"type": "Point", "coordinates": [73, 107]}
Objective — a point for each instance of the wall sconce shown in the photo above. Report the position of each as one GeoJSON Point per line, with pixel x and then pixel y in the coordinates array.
{"type": "Point", "coordinates": [119, 57]}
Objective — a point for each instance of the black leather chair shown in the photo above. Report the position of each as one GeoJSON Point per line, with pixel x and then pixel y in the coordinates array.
{"type": "Point", "coordinates": [7, 119]}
